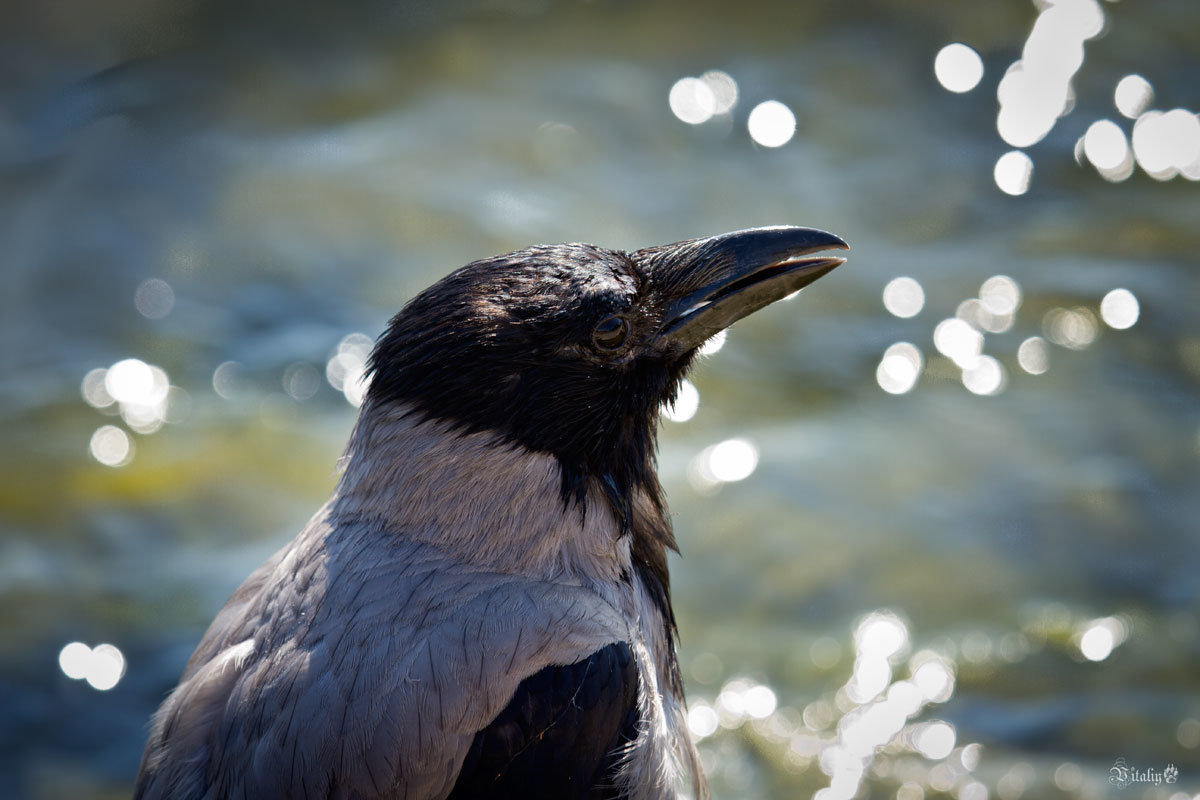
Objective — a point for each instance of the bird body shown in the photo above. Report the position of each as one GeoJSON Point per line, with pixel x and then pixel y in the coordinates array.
{"type": "Point", "coordinates": [482, 608]}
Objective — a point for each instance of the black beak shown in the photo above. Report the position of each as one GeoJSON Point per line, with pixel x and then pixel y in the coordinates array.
{"type": "Point", "coordinates": [709, 284]}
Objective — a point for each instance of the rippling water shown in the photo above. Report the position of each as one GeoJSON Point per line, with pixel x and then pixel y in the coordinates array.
{"type": "Point", "coordinates": [939, 534]}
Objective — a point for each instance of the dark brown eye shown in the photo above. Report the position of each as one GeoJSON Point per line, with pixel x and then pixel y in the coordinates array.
{"type": "Point", "coordinates": [611, 333]}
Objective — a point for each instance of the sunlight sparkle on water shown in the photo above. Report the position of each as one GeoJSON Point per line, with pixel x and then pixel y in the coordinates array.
{"type": "Point", "coordinates": [903, 297]}
{"type": "Point", "coordinates": [973, 790]}
{"type": "Point", "coordinates": [226, 379]}
{"type": "Point", "coordinates": [725, 462]}
{"type": "Point", "coordinates": [687, 401]}
{"type": "Point", "coordinates": [1188, 733]}
{"type": "Point", "coordinates": [301, 381]}
{"type": "Point", "coordinates": [1072, 328]}
{"type": "Point", "coordinates": [935, 740]}
{"type": "Point", "coordinates": [958, 341]}
{"type": "Point", "coordinates": [702, 720]}
{"type": "Point", "coordinates": [733, 460]}
{"type": "Point", "coordinates": [1034, 355]}
{"type": "Point", "coordinates": [1119, 309]}
{"type": "Point", "coordinates": [1068, 776]}
{"type": "Point", "coordinates": [692, 101]}
{"type": "Point", "coordinates": [697, 100]}
{"type": "Point", "coordinates": [111, 446]}
{"type": "Point", "coordinates": [154, 298]}
{"type": "Point", "coordinates": [1013, 172]}
{"type": "Point", "coordinates": [724, 90]}
{"type": "Point", "coordinates": [760, 701]}
{"type": "Point", "coordinates": [74, 660]}
{"type": "Point", "coordinates": [899, 369]}
{"type": "Point", "coordinates": [986, 376]}
{"type": "Point", "coordinates": [825, 652]}
{"type": "Point", "coordinates": [771, 124]}
{"type": "Point", "coordinates": [142, 391]}
{"type": "Point", "coordinates": [1133, 95]}
{"type": "Point", "coordinates": [346, 368]}
{"type": "Point", "coordinates": [1105, 146]}
{"type": "Point", "coordinates": [94, 391]}
{"type": "Point", "coordinates": [1036, 90]}
{"type": "Point", "coordinates": [1099, 637]}
{"type": "Point", "coordinates": [880, 635]}
{"type": "Point", "coordinates": [102, 666]}
{"type": "Point", "coordinates": [958, 68]}
{"type": "Point", "coordinates": [714, 343]}
{"type": "Point", "coordinates": [933, 677]}
{"type": "Point", "coordinates": [1000, 296]}
{"type": "Point", "coordinates": [876, 716]}
{"type": "Point", "coordinates": [1166, 144]}
{"type": "Point", "coordinates": [129, 381]}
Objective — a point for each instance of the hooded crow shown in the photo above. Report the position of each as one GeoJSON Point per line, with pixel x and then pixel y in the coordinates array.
{"type": "Point", "coordinates": [482, 609]}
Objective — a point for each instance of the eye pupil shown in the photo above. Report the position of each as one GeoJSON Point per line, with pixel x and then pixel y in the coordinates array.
{"type": "Point", "coordinates": [611, 333]}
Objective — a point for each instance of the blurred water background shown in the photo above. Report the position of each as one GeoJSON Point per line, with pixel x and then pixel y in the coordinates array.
{"type": "Point", "coordinates": [939, 534]}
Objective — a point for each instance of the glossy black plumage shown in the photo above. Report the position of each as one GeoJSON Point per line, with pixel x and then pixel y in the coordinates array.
{"type": "Point", "coordinates": [562, 734]}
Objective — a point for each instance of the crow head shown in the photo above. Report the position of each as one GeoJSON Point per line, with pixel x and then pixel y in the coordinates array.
{"type": "Point", "coordinates": [571, 349]}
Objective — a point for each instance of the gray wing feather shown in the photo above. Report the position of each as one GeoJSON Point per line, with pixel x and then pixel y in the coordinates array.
{"type": "Point", "coordinates": [356, 663]}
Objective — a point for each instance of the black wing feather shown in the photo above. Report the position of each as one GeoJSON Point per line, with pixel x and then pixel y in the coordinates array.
{"type": "Point", "coordinates": [562, 734]}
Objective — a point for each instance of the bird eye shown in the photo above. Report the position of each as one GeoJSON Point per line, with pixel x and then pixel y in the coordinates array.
{"type": "Point", "coordinates": [611, 333]}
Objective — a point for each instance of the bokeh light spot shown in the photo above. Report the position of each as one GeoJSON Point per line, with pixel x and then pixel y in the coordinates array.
{"type": "Point", "coordinates": [958, 341]}
{"type": "Point", "coordinates": [106, 668]}
{"type": "Point", "coordinates": [154, 298]}
{"type": "Point", "coordinates": [958, 68]}
{"type": "Point", "coordinates": [1105, 145]}
{"type": "Point", "coordinates": [733, 460]}
{"type": "Point", "coordinates": [129, 381]}
{"type": "Point", "coordinates": [1099, 637]}
{"type": "Point", "coordinates": [702, 720]}
{"type": "Point", "coordinates": [771, 124]}
{"type": "Point", "coordinates": [1133, 95]}
{"type": "Point", "coordinates": [825, 652]}
{"type": "Point", "coordinates": [935, 740]}
{"type": "Point", "coordinates": [692, 101]}
{"type": "Point", "coordinates": [899, 369]}
{"type": "Point", "coordinates": [226, 379]}
{"type": "Point", "coordinates": [1000, 295]}
{"type": "Point", "coordinates": [1068, 776]}
{"type": "Point", "coordinates": [102, 666]}
{"type": "Point", "coordinates": [725, 462]}
{"type": "Point", "coordinates": [724, 90]}
{"type": "Point", "coordinates": [1034, 355]}
{"type": "Point", "coordinates": [760, 701]}
{"type": "Point", "coordinates": [687, 401]}
{"type": "Point", "coordinates": [1188, 733]}
{"type": "Point", "coordinates": [346, 369]}
{"type": "Point", "coordinates": [111, 446]}
{"type": "Point", "coordinates": [1119, 309]}
{"type": "Point", "coordinates": [903, 297]}
{"type": "Point", "coordinates": [301, 381]}
{"type": "Point", "coordinates": [1165, 144]}
{"type": "Point", "coordinates": [1013, 172]}
{"type": "Point", "coordinates": [986, 376]}
{"type": "Point", "coordinates": [94, 390]}
{"type": "Point", "coordinates": [714, 343]}
{"type": "Point", "coordinates": [1072, 328]}
{"type": "Point", "coordinates": [934, 679]}
{"type": "Point", "coordinates": [74, 660]}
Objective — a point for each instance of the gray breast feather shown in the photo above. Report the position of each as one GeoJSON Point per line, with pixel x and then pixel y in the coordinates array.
{"type": "Point", "coordinates": [376, 657]}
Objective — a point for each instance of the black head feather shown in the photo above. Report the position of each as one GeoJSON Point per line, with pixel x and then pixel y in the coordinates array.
{"type": "Point", "coordinates": [552, 347]}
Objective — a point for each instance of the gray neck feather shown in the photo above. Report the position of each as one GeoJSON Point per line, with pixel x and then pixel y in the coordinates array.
{"type": "Point", "coordinates": [488, 502]}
